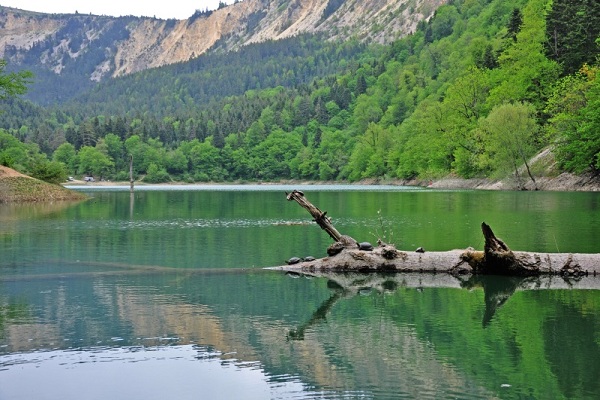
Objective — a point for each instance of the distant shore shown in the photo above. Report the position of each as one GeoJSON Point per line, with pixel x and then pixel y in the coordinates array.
{"type": "Point", "coordinates": [563, 182]}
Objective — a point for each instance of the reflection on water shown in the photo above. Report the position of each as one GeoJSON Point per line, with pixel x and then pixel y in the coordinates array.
{"type": "Point", "coordinates": [168, 372]}
{"type": "Point", "coordinates": [412, 336]}
{"type": "Point", "coordinates": [161, 295]}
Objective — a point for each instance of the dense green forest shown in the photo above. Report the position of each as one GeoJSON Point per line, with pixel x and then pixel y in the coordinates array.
{"type": "Point", "coordinates": [476, 91]}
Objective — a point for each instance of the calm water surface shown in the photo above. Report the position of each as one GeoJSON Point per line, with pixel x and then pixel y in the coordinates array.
{"type": "Point", "coordinates": [162, 295]}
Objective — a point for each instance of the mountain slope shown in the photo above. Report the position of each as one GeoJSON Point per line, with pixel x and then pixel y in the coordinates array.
{"type": "Point", "coordinates": [430, 104]}
{"type": "Point", "coordinates": [102, 47]}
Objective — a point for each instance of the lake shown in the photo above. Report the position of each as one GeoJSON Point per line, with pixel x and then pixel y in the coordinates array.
{"type": "Point", "coordinates": [162, 294]}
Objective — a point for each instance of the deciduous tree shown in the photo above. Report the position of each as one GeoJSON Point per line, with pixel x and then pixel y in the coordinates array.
{"type": "Point", "coordinates": [509, 133]}
{"type": "Point", "coordinates": [575, 125]}
{"type": "Point", "coordinates": [93, 162]}
{"type": "Point", "coordinates": [13, 83]}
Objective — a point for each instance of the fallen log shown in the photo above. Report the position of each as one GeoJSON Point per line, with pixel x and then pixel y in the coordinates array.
{"type": "Point", "coordinates": [346, 254]}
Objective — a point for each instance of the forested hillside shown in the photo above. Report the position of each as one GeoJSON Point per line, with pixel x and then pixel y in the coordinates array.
{"type": "Point", "coordinates": [475, 91]}
{"type": "Point", "coordinates": [70, 53]}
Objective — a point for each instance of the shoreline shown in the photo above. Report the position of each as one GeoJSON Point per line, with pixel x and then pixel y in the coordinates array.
{"type": "Point", "coordinates": [17, 188]}
{"type": "Point", "coordinates": [564, 182]}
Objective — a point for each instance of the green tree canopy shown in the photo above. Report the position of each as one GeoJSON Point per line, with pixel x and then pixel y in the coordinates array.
{"type": "Point", "coordinates": [14, 83]}
{"type": "Point", "coordinates": [575, 125]}
{"type": "Point", "coordinates": [572, 29]}
{"type": "Point", "coordinates": [93, 162]}
{"type": "Point", "coordinates": [509, 132]}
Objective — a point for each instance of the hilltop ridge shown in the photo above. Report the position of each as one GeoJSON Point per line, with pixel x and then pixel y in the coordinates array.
{"type": "Point", "coordinates": [108, 47]}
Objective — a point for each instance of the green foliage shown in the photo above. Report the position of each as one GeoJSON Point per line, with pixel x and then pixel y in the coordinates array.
{"type": "Point", "coordinates": [50, 171]}
{"type": "Point", "coordinates": [430, 104]}
{"type": "Point", "coordinates": [442, 25]}
{"type": "Point", "coordinates": [572, 28]}
{"type": "Point", "coordinates": [271, 158]}
{"type": "Point", "coordinates": [525, 74]}
{"type": "Point", "coordinates": [205, 160]}
{"type": "Point", "coordinates": [114, 149]}
{"type": "Point", "coordinates": [181, 87]}
{"type": "Point", "coordinates": [156, 174]}
{"type": "Point", "coordinates": [13, 83]}
{"type": "Point", "coordinates": [508, 133]}
{"type": "Point", "coordinates": [575, 125]}
{"type": "Point", "coordinates": [66, 154]}
{"type": "Point", "coordinates": [27, 159]}
{"type": "Point", "coordinates": [176, 162]}
{"type": "Point", "coordinates": [515, 24]}
{"type": "Point", "coordinates": [370, 156]}
{"type": "Point", "coordinates": [93, 162]}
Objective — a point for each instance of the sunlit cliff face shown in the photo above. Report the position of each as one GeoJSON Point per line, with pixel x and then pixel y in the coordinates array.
{"type": "Point", "coordinates": [130, 44]}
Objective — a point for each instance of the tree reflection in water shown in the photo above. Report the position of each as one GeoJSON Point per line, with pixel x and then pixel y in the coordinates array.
{"type": "Point", "coordinates": [497, 289]}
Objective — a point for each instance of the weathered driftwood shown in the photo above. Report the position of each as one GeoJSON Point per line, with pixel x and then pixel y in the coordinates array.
{"type": "Point", "coordinates": [319, 216]}
{"type": "Point", "coordinates": [496, 258]}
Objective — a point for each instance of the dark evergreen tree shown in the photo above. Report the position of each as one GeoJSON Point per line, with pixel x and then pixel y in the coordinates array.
{"type": "Point", "coordinates": [490, 60]}
{"type": "Point", "coordinates": [317, 139]}
{"type": "Point", "coordinates": [303, 111]}
{"type": "Point", "coordinates": [321, 111]}
{"type": "Point", "coordinates": [341, 95]}
{"type": "Point", "coordinates": [73, 137]}
{"type": "Point", "coordinates": [332, 6]}
{"type": "Point", "coordinates": [515, 23]}
{"type": "Point", "coordinates": [87, 133]}
{"type": "Point", "coordinates": [361, 85]}
{"type": "Point", "coordinates": [120, 128]}
{"type": "Point", "coordinates": [304, 137]}
{"type": "Point", "coordinates": [428, 34]}
{"type": "Point", "coordinates": [572, 28]}
{"type": "Point", "coordinates": [219, 140]}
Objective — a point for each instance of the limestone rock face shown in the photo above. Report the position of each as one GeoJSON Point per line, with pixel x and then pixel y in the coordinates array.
{"type": "Point", "coordinates": [130, 44]}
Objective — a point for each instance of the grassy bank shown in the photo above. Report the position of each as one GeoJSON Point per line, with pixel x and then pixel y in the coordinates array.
{"type": "Point", "coordinates": [19, 188]}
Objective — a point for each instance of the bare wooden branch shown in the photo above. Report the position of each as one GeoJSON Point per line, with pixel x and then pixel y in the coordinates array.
{"type": "Point", "coordinates": [319, 216]}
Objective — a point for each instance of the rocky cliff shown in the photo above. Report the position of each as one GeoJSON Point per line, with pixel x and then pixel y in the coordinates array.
{"type": "Point", "coordinates": [104, 46]}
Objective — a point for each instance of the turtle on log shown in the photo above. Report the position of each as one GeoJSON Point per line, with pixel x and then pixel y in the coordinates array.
{"type": "Point", "coordinates": [344, 242]}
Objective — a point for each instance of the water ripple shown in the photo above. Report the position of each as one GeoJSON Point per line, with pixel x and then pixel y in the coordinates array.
{"type": "Point", "coordinates": [181, 372]}
{"type": "Point", "coordinates": [182, 223]}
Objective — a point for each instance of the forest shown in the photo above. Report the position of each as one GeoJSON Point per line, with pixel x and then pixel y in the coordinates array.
{"type": "Point", "coordinates": [476, 91]}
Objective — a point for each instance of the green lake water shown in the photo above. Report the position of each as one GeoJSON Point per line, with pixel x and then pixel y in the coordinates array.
{"type": "Point", "coordinates": [162, 294]}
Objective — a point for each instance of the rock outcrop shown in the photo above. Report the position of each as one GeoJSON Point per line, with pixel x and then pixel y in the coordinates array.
{"type": "Point", "coordinates": [112, 47]}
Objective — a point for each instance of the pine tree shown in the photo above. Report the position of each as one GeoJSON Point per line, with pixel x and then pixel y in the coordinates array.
{"type": "Point", "coordinates": [361, 85]}
{"type": "Point", "coordinates": [490, 59]}
{"type": "Point", "coordinates": [572, 27]}
{"type": "Point", "coordinates": [321, 111]}
{"type": "Point", "coordinates": [515, 23]}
